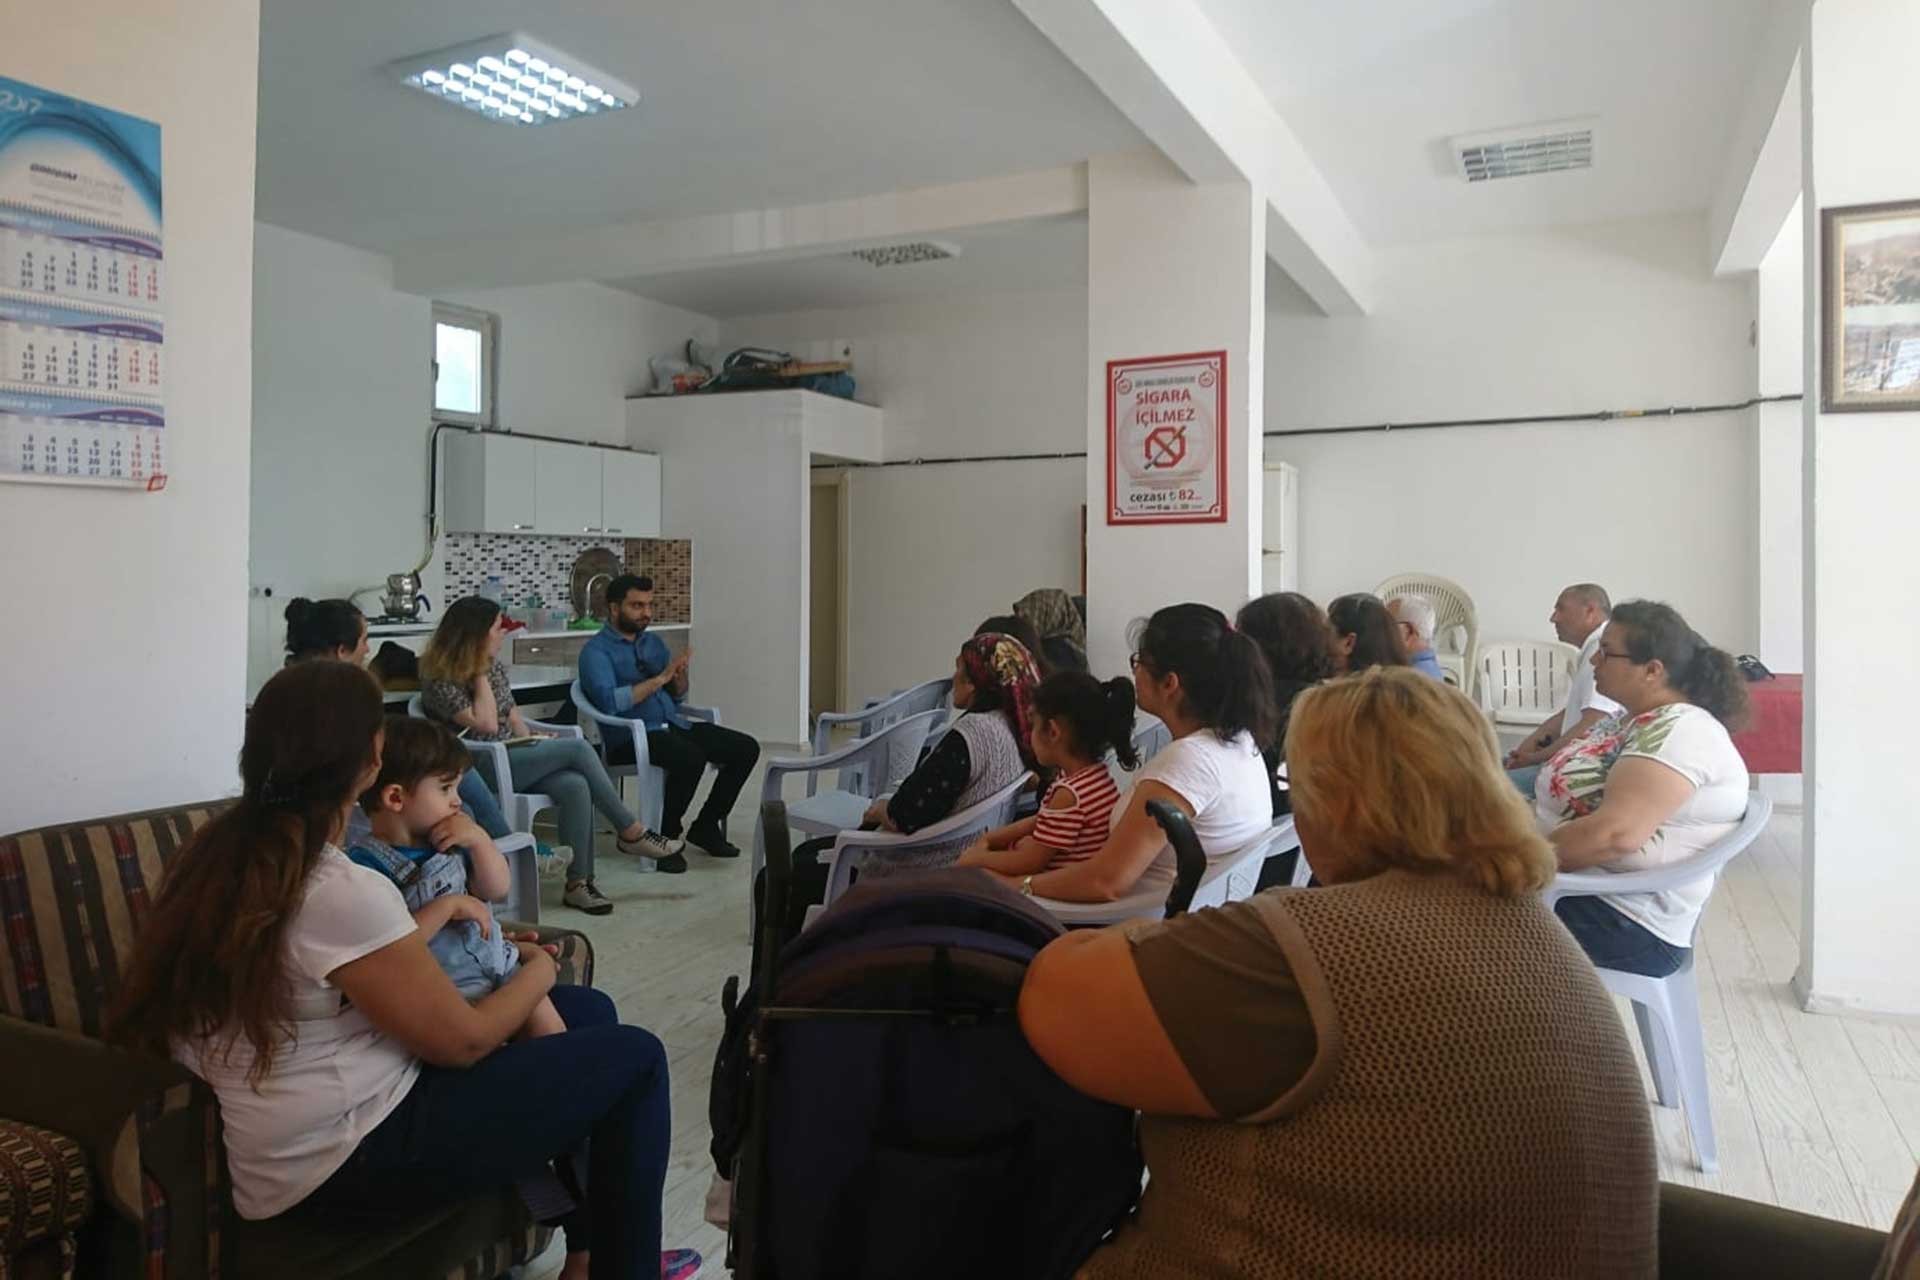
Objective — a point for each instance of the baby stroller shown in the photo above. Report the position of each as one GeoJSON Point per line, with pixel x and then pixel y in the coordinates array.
{"type": "Point", "coordinates": [887, 1118]}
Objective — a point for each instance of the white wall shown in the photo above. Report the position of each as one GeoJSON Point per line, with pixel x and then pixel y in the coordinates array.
{"type": "Point", "coordinates": [1172, 267]}
{"type": "Point", "coordinates": [936, 549]}
{"type": "Point", "coordinates": [1780, 612]}
{"type": "Point", "coordinates": [1613, 316]}
{"type": "Point", "coordinates": [149, 589]}
{"type": "Point", "coordinates": [343, 392]}
{"type": "Point", "coordinates": [1859, 950]}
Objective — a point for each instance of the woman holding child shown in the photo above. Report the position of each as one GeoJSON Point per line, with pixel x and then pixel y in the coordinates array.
{"type": "Point", "coordinates": [350, 1070]}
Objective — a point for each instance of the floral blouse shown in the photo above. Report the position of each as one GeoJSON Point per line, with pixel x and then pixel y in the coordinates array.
{"type": "Point", "coordinates": [442, 700]}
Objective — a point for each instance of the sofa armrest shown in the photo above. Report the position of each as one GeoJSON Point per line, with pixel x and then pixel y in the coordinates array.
{"type": "Point", "coordinates": [150, 1129]}
{"type": "Point", "coordinates": [576, 950]}
{"type": "Point", "coordinates": [1707, 1235]}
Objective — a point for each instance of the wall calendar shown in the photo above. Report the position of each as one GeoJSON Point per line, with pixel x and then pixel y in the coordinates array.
{"type": "Point", "coordinates": [82, 294]}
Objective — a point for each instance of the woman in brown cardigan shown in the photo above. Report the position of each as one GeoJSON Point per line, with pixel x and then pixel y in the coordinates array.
{"type": "Point", "coordinates": [1411, 1071]}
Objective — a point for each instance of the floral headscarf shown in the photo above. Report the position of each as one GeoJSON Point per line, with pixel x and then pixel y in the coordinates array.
{"type": "Point", "coordinates": [1000, 664]}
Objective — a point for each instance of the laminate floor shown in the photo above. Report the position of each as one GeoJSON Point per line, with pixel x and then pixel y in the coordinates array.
{"type": "Point", "coordinates": [1815, 1113]}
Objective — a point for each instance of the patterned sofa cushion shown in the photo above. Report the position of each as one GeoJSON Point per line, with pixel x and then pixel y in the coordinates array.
{"type": "Point", "coordinates": [71, 898]}
{"type": "Point", "coordinates": [45, 1193]}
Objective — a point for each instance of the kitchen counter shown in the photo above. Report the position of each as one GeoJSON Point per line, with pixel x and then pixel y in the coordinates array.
{"type": "Point", "coordinates": [389, 630]}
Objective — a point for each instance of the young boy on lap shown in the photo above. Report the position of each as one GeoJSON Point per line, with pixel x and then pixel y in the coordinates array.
{"type": "Point", "coordinates": [445, 866]}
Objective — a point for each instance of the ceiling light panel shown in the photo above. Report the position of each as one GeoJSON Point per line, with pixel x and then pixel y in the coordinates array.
{"type": "Point", "coordinates": [515, 79]}
{"type": "Point", "coordinates": [903, 255]}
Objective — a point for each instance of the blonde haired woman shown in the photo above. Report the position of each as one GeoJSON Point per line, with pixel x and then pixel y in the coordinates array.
{"type": "Point", "coordinates": [1409, 1071]}
{"type": "Point", "coordinates": [463, 684]}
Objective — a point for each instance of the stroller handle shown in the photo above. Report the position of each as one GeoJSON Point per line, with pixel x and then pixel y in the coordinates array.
{"type": "Point", "coordinates": [1190, 860]}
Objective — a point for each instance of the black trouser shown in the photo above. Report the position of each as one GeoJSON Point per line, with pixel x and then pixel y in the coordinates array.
{"type": "Point", "coordinates": [685, 754]}
{"type": "Point", "coordinates": [806, 888]}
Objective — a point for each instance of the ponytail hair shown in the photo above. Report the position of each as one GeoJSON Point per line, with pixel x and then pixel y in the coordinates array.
{"type": "Point", "coordinates": [1098, 715]}
{"type": "Point", "coordinates": [1703, 675]}
{"type": "Point", "coordinates": [320, 628]}
{"type": "Point", "coordinates": [1224, 681]}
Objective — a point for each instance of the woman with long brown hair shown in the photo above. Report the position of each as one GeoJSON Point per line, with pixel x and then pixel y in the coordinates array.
{"type": "Point", "coordinates": [464, 685]}
{"type": "Point", "coordinates": [1364, 634]}
{"type": "Point", "coordinates": [346, 1062]}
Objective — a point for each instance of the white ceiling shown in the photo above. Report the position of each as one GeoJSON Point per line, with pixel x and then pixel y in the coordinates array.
{"type": "Point", "coordinates": [1375, 87]}
{"type": "Point", "coordinates": [1042, 254]}
{"type": "Point", "coordinates": [743, 104]}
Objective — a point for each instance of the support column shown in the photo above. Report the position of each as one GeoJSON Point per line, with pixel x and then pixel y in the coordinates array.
{"type": "Point", "coordinates": [1859, 948]}
{"type": "Point", "coordinates": [1172, 268]}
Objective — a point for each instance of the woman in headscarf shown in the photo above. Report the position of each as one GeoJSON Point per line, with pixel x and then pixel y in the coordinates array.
{"type": "Point", "coordinates": [988, 745]}
{"type": "Point", "coordinates": [1062, 631]}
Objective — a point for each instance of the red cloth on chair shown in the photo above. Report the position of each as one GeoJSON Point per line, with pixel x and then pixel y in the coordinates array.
{"type": "Point", "coordinates": [1771, 742]}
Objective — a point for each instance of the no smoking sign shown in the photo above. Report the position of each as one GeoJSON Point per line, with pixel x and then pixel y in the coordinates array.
{"type": "Point", "coordinates": [1166, 435]}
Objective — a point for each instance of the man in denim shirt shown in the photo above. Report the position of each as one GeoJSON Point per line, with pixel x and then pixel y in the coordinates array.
{"type": "Point", "coordinates": [625, 671]}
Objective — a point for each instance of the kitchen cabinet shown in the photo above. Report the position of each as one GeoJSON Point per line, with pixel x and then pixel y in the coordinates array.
{"type": "Point", "coordinates": [630, 494]}
{"type": "Point", "coordinates": [499, 483]}
{"type": "Point", "coordinates": [490, 484]}
{"type": "Point", "coordinates": [567, 489]}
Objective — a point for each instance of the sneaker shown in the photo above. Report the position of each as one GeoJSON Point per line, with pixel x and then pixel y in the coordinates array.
{"type": "Point", "coordinates": [552, 860]}
{"type": "Point", "coordinates": [713, 842]}
{"type": "Point", "coordinates": [652, 844]}
{"type": "Point", "coordinates": [585, 897]}
{"type": "Point", "coordinates": [679, 1264]}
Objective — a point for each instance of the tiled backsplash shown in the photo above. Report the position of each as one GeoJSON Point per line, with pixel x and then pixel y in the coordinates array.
{"type": "Point", "coordinates": [528, 564]}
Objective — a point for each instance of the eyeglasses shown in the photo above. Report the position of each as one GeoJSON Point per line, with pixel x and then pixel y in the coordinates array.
{"type": "Point", "coordinates": [1605, 653]}
{"type": "Point", "coordinates": [1135, 661]}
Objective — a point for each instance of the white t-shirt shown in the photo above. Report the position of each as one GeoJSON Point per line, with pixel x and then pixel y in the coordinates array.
{"type": "Point", "coordinates": [1686, 739]}
{"type": "Point", "coordinates": [338, 1077]}
{"type": "Point", "coordinates": [1226, 785]}
{"type": "Point", "coordinates": [1584, 697]}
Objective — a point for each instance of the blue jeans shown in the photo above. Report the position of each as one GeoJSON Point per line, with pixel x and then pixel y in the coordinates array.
{"type": "Point", "coordinates": [568, 770]}
{"type": "Point", "coordinates": [460, 1133]}
{"type": "Point", "coordinates": [1523, 778]}
{"type": "Point", "coordinates": [477, 796]}
{"type": "Point", "coordinates": [1612, 941]}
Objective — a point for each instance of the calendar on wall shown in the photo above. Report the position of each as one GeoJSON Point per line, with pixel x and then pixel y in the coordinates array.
{"type": "Point", "coordinates": [82, 294]}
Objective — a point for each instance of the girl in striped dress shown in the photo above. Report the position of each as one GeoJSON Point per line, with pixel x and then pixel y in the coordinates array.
{"type": "Point", "coordinates": [1077, 722]}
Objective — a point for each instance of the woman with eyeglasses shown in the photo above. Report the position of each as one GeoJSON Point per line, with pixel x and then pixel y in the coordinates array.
{"type": "Point", "coordinates": [1653, 785]}
{"type": "Point", "coordinates": [1209, 684]}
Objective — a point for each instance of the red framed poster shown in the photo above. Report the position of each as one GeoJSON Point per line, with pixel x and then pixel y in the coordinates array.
{"type": "Point", "coordinates": [1166, 439]}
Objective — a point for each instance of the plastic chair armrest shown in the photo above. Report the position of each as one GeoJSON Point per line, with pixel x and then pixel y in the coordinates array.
{"type": "Point", "coordinates": [495, 754]}
{"type": "Point", "coordinates": [710, 714]}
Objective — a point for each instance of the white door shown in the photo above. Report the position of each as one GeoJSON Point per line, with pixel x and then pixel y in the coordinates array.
{"type": "Point", "coordinates": [567, 489]}
{"type": "Point", "coordinates": [1280, 528]}
{"type": "Point", "coordinates": [507, 502]}
{"type": "Point", "coordinates": [630, 494]}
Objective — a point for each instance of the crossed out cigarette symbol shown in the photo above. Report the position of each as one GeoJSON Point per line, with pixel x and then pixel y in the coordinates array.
{"type": "Point", "coordinates": [1166, 447]}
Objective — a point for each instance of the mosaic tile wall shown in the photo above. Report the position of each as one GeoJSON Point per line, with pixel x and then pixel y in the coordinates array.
{"type": "Point", "coordinates": [529, 564]}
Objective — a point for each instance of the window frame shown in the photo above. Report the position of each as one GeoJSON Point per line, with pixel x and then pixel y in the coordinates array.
{"type": "Point", "coordinates": [487, 325]}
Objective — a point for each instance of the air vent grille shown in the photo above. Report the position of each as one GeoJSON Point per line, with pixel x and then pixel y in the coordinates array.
{"type": "Point", "coordinates": [1519, 153]}
{"type": "Point", "coordinates": [901, 255]}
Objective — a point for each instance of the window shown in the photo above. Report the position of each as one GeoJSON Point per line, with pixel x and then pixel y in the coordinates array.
{"type": "Point", "coordinates": [463, 353]}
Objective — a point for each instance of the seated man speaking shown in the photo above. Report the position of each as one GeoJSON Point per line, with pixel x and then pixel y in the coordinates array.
{"type": "Point", "coordinates": [625, 671]}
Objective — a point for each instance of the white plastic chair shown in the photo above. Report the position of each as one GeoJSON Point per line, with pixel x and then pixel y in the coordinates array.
{"type": "Point", "coordinates": [1667, 1010]}
{"type": "Point", "coordinates": [650, 778]}
{"type": "Point", "coordinates": [1523, 682]}
{"type": "Point", "coordinates": [931, 695]}
{"type": "Point", "coordinates": [865, 768]}
{"type": "Point", "coordinates": [1232, 877]}
{"type": "Point", "coordinates": [854, 850]}
{"type": "Point", "coordinates": [1458, 652]}
{"type": "Point", "coordinates": [522, 903]}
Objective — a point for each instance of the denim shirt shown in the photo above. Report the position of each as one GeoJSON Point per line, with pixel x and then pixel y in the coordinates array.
{"type": "Point", "coordinates": [611, 664]}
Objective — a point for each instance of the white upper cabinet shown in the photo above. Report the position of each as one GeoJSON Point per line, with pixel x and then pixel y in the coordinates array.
{"type": "Point", "coordinates": [497, 483]}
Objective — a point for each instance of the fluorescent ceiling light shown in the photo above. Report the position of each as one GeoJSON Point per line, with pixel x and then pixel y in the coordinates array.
{"type": "Point", "coordinates": [514, 79]}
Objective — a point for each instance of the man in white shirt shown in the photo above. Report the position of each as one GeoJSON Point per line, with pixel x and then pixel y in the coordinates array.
{"type": "Point", "coordinates": [1579, 616]}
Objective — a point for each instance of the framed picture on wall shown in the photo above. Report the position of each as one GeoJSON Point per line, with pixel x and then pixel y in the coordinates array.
{"type": "Point", "coordinates": [1870, 316]}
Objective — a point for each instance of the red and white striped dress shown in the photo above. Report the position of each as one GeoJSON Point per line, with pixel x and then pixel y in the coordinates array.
{"type": "Point", "coordinates": [1076, 832]}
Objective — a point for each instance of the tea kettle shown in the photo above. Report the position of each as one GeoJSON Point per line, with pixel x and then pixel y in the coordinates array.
{"type": "Point", "coordinates": [403, 598]}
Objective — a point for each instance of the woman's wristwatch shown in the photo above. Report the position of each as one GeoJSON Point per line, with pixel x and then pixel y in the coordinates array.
{"type": "Point", "coordinates": [1026, 886]}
